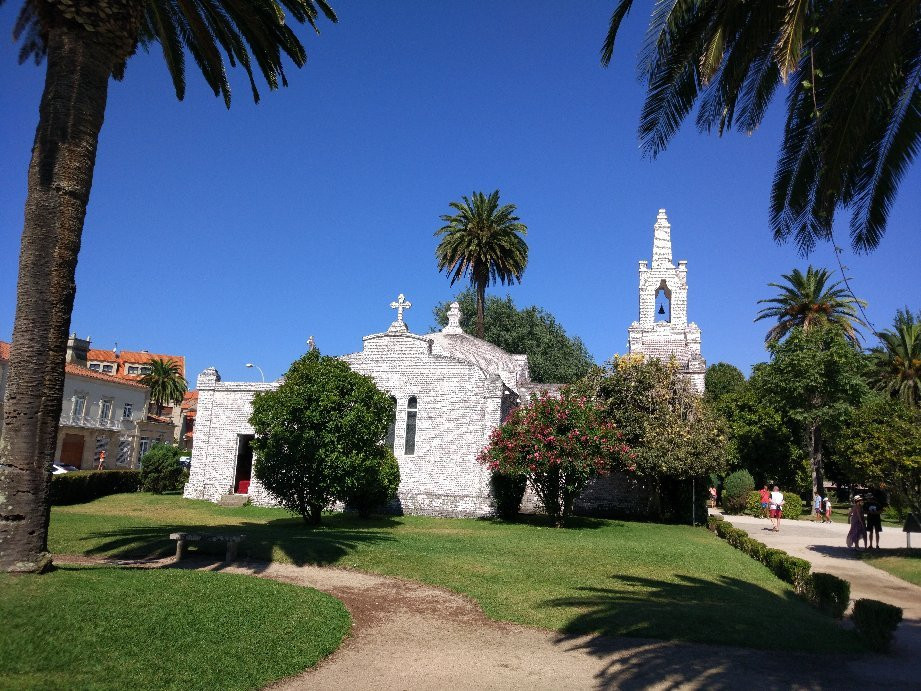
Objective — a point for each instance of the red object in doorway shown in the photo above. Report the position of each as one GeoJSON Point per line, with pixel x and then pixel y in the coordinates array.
{"type": "Point", "coordinates": [243, 487]}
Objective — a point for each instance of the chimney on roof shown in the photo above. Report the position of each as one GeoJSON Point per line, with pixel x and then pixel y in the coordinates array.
{"type": "Point", "coordinates": [115, 349]}
{"type": "Point", "coordinates": [77, 350]}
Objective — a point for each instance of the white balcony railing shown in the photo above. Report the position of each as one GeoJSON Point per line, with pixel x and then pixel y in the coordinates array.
{"type": "Point", "coordinates": [96, 422]}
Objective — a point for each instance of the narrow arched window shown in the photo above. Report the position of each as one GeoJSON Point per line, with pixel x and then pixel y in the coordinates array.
{"type": "Point", "coordinates": [663, 303]}
{"type": "Point", "coordinates": [411, 412]}
{"type": "Point", "coordinates": [392, 427]}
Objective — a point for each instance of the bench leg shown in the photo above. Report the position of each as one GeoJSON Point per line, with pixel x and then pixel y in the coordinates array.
{"type": "Point", "coordinates": [231, 551]}
{"type": "Point", "coordinates": [180, 549]}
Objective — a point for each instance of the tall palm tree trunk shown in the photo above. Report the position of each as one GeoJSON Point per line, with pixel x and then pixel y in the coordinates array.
{"type": "Point", "coordinates": [480, 302]}
{"type": "Point", "coordinates": [60, 178]}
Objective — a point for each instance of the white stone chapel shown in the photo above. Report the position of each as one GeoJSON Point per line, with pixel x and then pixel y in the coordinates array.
{"type": "Point", "coordinates": [451, 390]}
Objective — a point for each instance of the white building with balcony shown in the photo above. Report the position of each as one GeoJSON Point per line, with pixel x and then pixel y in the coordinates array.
{"type": "Point", "coordinates": [102, 416]}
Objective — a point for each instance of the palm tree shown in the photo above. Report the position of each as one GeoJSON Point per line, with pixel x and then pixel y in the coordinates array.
{"type": "Point", "coordinates": [852, 71]}
{"type": "Point", "coordinates": [84, 44]}
{"type": "Point", "coordinates": [165, 382]}
{"type": "Point", "coordinates": [484, 241]}
{"type": "Point", "coordinates": [897, 363]}
{"type": "Point", "coordinates": [805, 300]}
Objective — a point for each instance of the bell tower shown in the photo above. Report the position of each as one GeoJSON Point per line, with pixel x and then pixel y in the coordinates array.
{"type": "Point", "coordinates": [663, 330]}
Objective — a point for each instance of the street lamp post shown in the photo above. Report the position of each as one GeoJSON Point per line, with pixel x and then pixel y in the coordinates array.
{"type": "Point", "coordinates": [261, 373]}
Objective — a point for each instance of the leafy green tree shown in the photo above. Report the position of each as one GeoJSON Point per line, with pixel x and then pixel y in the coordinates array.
{"type": "Point", "coordinates": [558, 444]}
{"type": "Point", "coordinates": [84, 45]}
{"type": "Point", "coordinates": [897, 361]}
{"type": "Point", "coordinates": [323, 423]}
{"type": "Point", "coordinates": [484, 241]}
{"type": "Point", "coordinates": [370, 480]}
{"type": "Point", "coordinates": [721, 380]}
{"type": "Point", "coordinates": [806, 301]}
{"type": "Point", "coordinates": [553, 357]}
{"type": "Point", "coordinates": [165, 382]}
{"type": "Point", "coordinates": [160, 469]}
{"type": "Point", "coordinates": [882, 448]}
{"type": "Point", "coordinates": [763, 441]}
{"type": "Point", "coordinates": [817, 378]}
{"type": "Point", "coordinates": [851, 71]}
{"type": "Point", "coordinates": [674, 434]}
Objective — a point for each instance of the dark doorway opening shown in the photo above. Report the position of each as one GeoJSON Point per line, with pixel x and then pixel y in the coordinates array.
{"type": "Point", "coordinates": [244, 463]}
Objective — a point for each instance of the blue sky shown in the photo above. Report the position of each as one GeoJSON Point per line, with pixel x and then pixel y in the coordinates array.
{"type": "Point", "coordinates": [232, 236]}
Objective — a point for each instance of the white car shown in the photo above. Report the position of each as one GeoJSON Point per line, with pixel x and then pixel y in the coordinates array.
{"type": "Point", "coordinates": [58, 468]}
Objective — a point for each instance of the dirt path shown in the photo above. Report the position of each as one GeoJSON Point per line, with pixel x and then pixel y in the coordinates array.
{"type": "Point", "coordinates": [407, 635]}
{"type": "Point", "coordinates": [822, 544]}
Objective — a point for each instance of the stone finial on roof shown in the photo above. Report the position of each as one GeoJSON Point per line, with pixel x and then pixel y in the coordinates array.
{"type": "Point", "coordinates": [208, 376]}
{"type": "Point", "coordinates": [454, 315]}
{"type": "Point", "coordinates": [662, 241]}
{"type": "Point", "coordinates": [400, 304]}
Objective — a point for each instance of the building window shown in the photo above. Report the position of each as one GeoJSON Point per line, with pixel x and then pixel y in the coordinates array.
{"type": "Point", "coordinates": [105, 410]}
{"type": "Point", "coordinates": [108, 369]}
{"type": "Point", "coordinates": [411, 411]}
{"type": "Point", "coordinates": [79, 406]}
{"type": "Point", "coordinates": [143, 446]}
{"type": "Point", "coordinates": [392, 426]}
{"type": "Point", "coordinates": [145, 370]}
{"type": "Point", "coordinates": [134, 369]}
{"type": "Point", "coordinates": [126, 412]}
{"type": "Point", "coordinates": [94, 366]}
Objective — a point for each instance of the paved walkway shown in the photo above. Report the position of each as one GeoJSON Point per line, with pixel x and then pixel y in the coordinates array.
{"type": "Point", "coordinates": [822, 544]}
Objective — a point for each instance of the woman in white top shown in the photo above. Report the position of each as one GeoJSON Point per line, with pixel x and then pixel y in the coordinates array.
{"type": "Point", "coordinates": [776, 508]}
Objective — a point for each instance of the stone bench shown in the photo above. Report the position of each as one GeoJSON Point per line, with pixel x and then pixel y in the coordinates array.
{"type": "Point", "coordinates": [182, 540]}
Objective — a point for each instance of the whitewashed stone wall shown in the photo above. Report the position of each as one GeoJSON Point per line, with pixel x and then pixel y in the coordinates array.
{"type": "Point", "coordinates": [675, 337]}
{"type": "Point", "coordinates": [458, 405]}
{"type": "Point", "coordinates": [224, 409]}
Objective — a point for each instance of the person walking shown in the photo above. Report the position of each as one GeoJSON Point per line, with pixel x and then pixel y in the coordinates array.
{"type": "Point", "coordinates": [765, 501]}
{"type": "Point", "coordinates": [858, 529]}
{"type": "Point", "coordinates": [817, 512]}
{"type": "Point", "coordinates": [776, 508]}
{"type": "Point", "coordinates": [826, 509]}
{"type": "Point", "coordinates": [874, 518]}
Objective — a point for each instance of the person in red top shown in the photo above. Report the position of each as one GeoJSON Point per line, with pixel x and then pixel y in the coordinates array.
{"type": "Point", "coordinates": [765, 500]}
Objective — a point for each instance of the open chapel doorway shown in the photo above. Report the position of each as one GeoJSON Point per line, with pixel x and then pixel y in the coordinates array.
{"type": "Point", "coordinates": [244, 472]}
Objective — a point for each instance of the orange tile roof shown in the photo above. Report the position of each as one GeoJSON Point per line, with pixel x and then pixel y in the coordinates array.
{"type": "Point", "coordinates": [79, 371]}
{"type": "Point", "coordinates": [190, 401]}
{"type": "Point", "coordinates": [132, 357]}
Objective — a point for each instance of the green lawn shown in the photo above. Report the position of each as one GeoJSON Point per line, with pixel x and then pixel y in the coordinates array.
{"type": "Point", "coordinates": [903, 563]}
{"type": "Point", "coordinates": [111, 628]}
{"type": "Point", "coordinates": [617, 578]}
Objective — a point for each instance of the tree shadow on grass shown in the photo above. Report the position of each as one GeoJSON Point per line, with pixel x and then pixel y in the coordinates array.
{"type": "Point", "coordinates": [538, 520]}
{"type": "Point", "coordinates": [727, 612]}
{"type": "Point", "coordinates": [299, 543]}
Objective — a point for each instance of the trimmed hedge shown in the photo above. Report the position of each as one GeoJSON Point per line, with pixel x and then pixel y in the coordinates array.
{"type": "Point", "coordinates": [822, 590]}
{"type": "Point", "coordinates": [876, 621]}
{"type": "Point", "coordinates": [792, 506]}
{"type": "Point", "coordinates": [753, 506]}
{"type": "Point", "coordinates": [829, 593]}
{"type": "Point", "coordinates": [85, 485]}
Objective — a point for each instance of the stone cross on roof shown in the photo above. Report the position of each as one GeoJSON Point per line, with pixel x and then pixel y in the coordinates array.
{"type": "Point", "coordinates": [401, 304]}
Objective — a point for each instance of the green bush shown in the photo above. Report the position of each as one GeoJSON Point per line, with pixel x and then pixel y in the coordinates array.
{"type": "Point", "coordinates": [735, 491]}
{"type": "Point", "coordinates": [876, 621]}
{"type": "Point", "coordinates": [370, 480]}
{"type": "Point", "coordinates": [86, 485]}
{"type": "Point", "coordinates": [160, 469]}
{"type": "Point", "coordinates": [829, 593]}
{"type": "Point", "coordinates": [713, 521]}
{"type": "Point", "coordinates": [792, 570]}
{"type": "Point", "coordinates": [507, 492]}
{"type": "Point", "coordinates": [753, 506]}
{"type": "Point", "coordinates": [792, 506]}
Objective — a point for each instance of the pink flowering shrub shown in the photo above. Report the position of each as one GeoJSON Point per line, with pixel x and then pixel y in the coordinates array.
{"type": "Point", "coordinates": [558, 444]}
